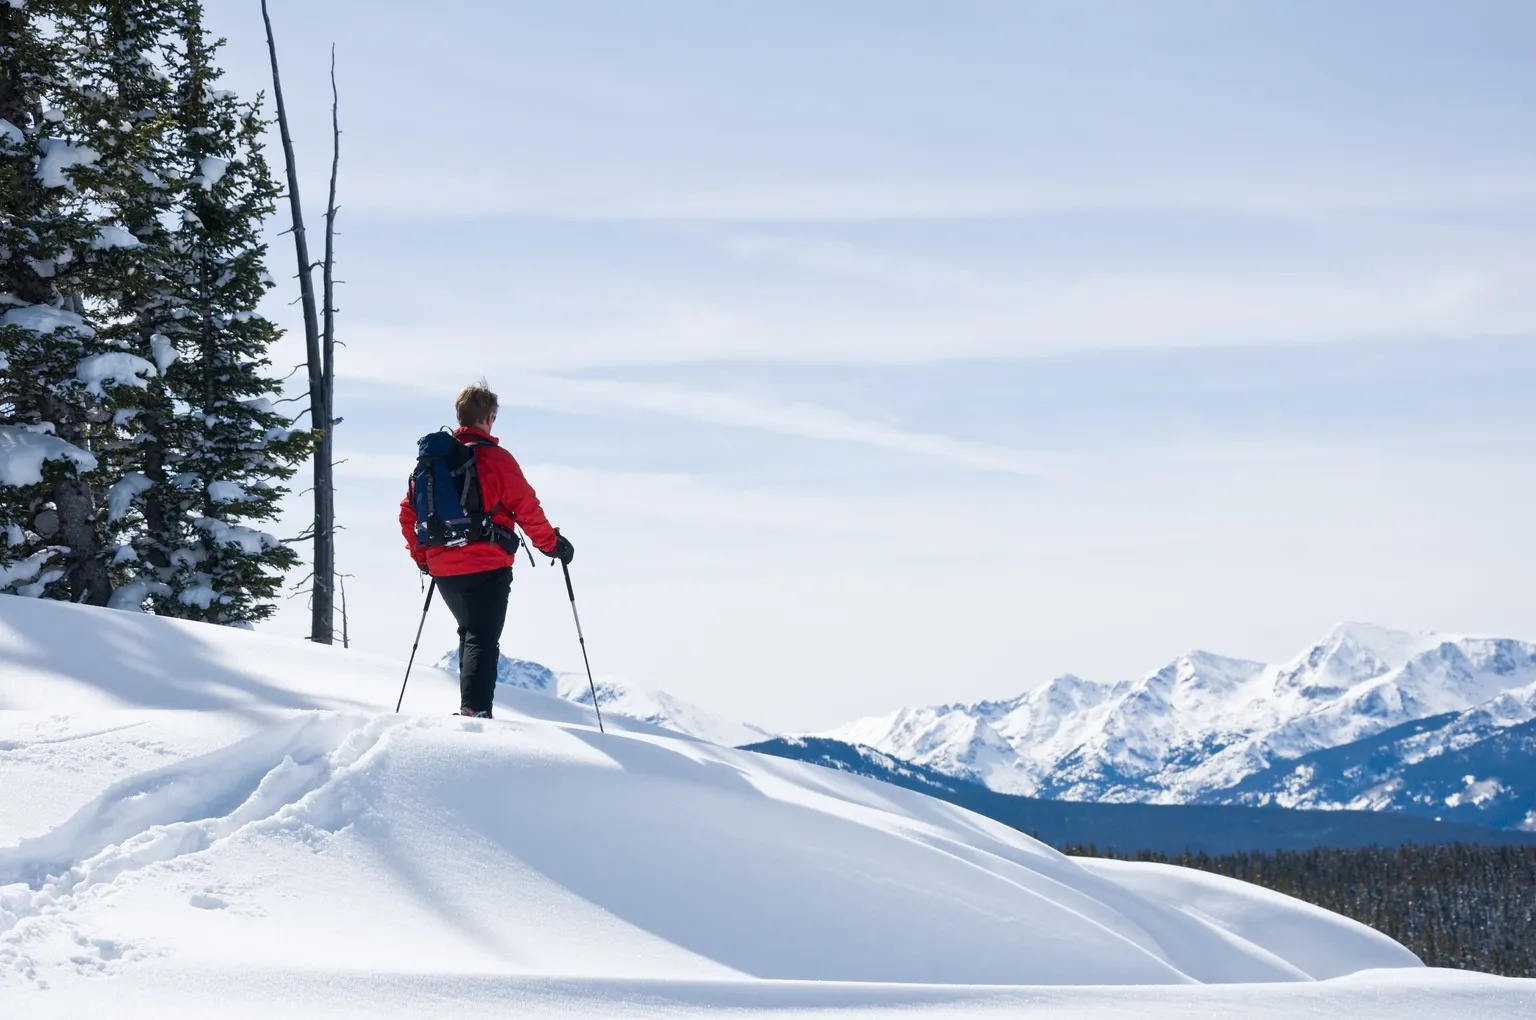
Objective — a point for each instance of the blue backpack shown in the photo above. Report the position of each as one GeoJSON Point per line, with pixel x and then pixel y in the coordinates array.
{"type": "Point", "coordinates": [450, 510]}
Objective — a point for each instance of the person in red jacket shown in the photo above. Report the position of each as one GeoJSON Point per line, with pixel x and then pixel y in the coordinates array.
{"type": "Point", "coordinates": [476, 579]}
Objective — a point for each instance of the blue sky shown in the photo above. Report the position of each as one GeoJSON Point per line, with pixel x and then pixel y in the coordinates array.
{"type": "Point", "coordinates": [879, 353]}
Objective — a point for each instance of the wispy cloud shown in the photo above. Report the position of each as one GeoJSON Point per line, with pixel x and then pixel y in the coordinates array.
{"type": "Point", "coordinates": [596, 195]}
{"type": "Point", "coordinates": [819, 301]}
{"type": "Point", "coordinates": [686, 497]}
{"type": "Point", "coordinates": [803, 420]}
{"type": "Point", "coordinates": [746, 411]}
{"type": "Point", "coordinates": [1153, 307]}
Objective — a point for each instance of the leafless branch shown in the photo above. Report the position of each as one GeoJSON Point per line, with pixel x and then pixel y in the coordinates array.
{"type": "Point", "coordinates": [319, 393]}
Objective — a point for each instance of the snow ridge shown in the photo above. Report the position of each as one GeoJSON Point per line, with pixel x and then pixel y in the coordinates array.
{"type": "Point", "coordinates": [194, 808]}
{"type": "Point", "coordinates": [621, 697]}
{"type": "Point", "coordinates": [658, 708]}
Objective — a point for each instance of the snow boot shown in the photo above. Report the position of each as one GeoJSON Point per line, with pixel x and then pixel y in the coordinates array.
{"type": "Point", "coordinates": [471, 713]}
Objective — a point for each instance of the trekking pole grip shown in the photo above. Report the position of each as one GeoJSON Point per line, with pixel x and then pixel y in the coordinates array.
{"type": "Point", "coordinates": [569, 591]}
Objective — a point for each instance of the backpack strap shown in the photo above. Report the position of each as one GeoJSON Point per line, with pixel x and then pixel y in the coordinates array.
{"type": "Point", "coordinates": [470, 469]}
{"type": "Point", "coordinates": [470, 486]}
{"type": "Point", "coordinates": [483, 516]}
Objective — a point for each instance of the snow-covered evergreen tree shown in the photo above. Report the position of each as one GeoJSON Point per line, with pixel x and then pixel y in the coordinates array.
{"type": "Point", "coordinates": [230, 450]}
{"type": "Point", "coordinates": [136, 40]}
{"type": "Point", "coordinates": [70, 148]}
{"type": "Point", "coordinates": [138, 442]}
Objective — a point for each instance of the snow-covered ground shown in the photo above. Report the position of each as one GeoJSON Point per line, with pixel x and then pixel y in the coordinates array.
{"type": "Point", "coordinates": [196, 821]}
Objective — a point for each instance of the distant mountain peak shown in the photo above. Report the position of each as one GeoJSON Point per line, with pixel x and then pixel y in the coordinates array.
{"type": "Point", "coordinates": [520, 673]}
{"type": "Point", "coordinates": [1206, 670]}
{"type": "Point", "coordinates": [1202, 659]}
{"type": "Point", "coordinates": [1369, 634]}
{"type": "Point", "coordinates": [1389, 647]}
{"type": "Point", "coordinates": [1349, 654]}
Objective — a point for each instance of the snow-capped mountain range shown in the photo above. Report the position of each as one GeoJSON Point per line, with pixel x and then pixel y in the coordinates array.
{"type": "Point", "coordinates": [1206, 728]}
{"type": "Point", "coordinates": [620, 697]}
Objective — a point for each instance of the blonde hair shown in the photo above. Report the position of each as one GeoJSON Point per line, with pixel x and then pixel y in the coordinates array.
{"type": "Point", "coordinates": [476, 404]}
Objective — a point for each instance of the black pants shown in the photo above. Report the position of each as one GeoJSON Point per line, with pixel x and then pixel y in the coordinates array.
{"type": "Point", "coordinates": [479, 603]}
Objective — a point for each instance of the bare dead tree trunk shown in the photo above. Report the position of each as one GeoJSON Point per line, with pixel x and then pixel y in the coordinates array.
{"type": "Point", "coordinates": [322, 620]}
{"type": "Point", "coordinates": [326, 453]}
{"type": "Point", "coordinates": [328, 285]}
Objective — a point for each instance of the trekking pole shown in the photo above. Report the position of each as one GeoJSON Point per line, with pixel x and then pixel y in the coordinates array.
{"type": "Point", "coordinates": [579, 637]}
{"type": "Point", "coordinates": [424, 607]}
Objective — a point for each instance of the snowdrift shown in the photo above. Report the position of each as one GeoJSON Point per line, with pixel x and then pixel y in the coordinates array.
{"type": "Point", "coordinates": [185, 810]}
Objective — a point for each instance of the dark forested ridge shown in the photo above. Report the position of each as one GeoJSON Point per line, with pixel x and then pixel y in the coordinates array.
{"type": "Point", "coordinates": [1468, 907]}
{"type": "Point", "coordinates": [1169, 828]}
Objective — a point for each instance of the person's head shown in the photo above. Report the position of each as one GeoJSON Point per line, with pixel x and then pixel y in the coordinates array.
{"type": "Point", "coordinates": [476, 406]}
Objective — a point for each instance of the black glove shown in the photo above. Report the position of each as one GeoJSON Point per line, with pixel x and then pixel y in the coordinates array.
{"type": "Point", "coordinates": [563, 551]}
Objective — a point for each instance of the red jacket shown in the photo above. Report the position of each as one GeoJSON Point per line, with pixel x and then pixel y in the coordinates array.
{"type": "Point", "coordinates": [503, 488]}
